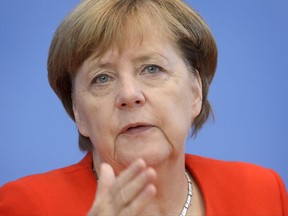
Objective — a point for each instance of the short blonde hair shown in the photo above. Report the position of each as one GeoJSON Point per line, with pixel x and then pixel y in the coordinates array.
{"type": "Point", "coordinates": [94, 24]}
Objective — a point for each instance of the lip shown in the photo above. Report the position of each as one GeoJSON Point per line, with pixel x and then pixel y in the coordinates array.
{"type": "Point", "coordinates": [126, 128]}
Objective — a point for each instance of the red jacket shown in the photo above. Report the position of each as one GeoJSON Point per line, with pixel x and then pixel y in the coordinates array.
{"type": "Point", "coordinates": [229, 188]}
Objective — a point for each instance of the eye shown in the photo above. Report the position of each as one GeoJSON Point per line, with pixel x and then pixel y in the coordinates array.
{"type": "Point", "coordinates": [152, 69]}
{"type": "Point", "coordinates": [101, 79]}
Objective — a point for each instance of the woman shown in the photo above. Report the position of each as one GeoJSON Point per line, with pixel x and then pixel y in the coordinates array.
{"type": "Point", "coordinates": [134, 76]}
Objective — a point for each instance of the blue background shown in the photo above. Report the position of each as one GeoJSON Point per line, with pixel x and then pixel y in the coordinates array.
{"type": "Point", "coordinates": [249, 93]}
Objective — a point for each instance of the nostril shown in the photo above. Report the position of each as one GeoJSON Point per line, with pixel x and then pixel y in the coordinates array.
{"type": "Point", "coordinates": [130, 104]}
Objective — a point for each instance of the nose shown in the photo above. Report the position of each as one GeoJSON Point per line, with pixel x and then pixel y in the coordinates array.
{"type": "Point", "coordinates": [130, 95]}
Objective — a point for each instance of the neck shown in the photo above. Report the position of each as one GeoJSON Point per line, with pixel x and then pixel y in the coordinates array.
{"type": "Point", "coordinates": [171, 188]}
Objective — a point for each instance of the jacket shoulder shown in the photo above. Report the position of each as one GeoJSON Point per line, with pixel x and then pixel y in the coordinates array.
{"type": "Point", "coordinates": [246, 188]}
{"type": "Point", "coordinates": [47, 193]}
{"type": "Point", "coordinates": [223, 168]}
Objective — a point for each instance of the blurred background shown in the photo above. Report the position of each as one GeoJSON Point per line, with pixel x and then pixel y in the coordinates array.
{"type": "Point", "coordinates": [249, 93]}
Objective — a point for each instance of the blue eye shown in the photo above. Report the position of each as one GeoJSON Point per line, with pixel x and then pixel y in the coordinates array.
{"type": "Point", "coordinates": [102, 78]}
{"type": "Point", "coordinates": [152, 69]}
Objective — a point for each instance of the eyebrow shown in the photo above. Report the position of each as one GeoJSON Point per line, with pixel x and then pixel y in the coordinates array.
{"type": "Point", "coordinates": [104, 65]}
{"type": "Point", "coordinates": [148, 57]}
{"type": "Point", "coordinates": [141, 58]}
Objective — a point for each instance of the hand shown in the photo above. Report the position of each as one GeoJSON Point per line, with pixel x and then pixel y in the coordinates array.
{"type": "Point", "coordinates": [126, 194]}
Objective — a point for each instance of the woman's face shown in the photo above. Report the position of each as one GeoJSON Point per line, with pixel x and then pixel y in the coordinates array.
{"type": "Point", "coordinates": [139, 102]}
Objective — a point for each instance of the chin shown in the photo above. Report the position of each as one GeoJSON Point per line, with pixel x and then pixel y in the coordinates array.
{"type": "Point", "coordinates": [152, 146]}
{"type": "Point", "coordinates": [153, 155]}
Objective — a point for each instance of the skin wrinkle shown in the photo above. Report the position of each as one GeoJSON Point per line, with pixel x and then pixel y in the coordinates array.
{"type": "Point", "coordinates": [170, 104]}
{"type": "Point", "coordinates": [126, 67]}
{"type": "Point", "coordinates": [114, 69]}
{"type": "Point", "coordinates": [101, 62]}
{"type": "Point", "coordinates": [171, 142]}
{"type": "Point", "coordinates": [167, 139]}
{"type": "Point", "coordinates": [94, 26]}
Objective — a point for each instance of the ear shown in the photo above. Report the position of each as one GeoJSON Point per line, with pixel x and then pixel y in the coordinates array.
{"type": "Point", "coordinates": [79, 119]}
{"type": "Point", "coordinates": [197, 94]}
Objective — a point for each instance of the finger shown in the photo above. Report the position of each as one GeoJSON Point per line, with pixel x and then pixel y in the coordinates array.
{"type": "Point", "coordinates": [127, 175]}
{"type": "Point", "coordinates": [107, 178]}
{"type": "Point", "coordinates": [140, 201]}
{"type": "Point", "coordinates": [127, 194]}
{"type": "Point", "coordinates": [108, 182]}
{"type": "Point", "coordinates": [132, 171]}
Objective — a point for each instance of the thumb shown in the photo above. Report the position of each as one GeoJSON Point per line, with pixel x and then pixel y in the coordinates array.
{"type": "Point", "coordinates": [107, 177]}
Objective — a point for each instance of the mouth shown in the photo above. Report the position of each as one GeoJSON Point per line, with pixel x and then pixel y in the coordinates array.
{"type": "Point", "coordinates": [135, 128]}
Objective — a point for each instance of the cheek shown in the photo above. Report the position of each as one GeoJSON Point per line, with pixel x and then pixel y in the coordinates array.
{"type": "Point", "coordinates": [183, 98]}
{"type": "Point", "coordinates": [176, 115]}
{"type": "Point", "coordinates": [93, 114]}
{"type": "Point", "coordinates": [100, 121]}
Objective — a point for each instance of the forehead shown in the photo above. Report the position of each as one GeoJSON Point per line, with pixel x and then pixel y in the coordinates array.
{"type": "Point", "coordinates": [152, 48]}
{"type": "Point", "coordinates": [139, 44]}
